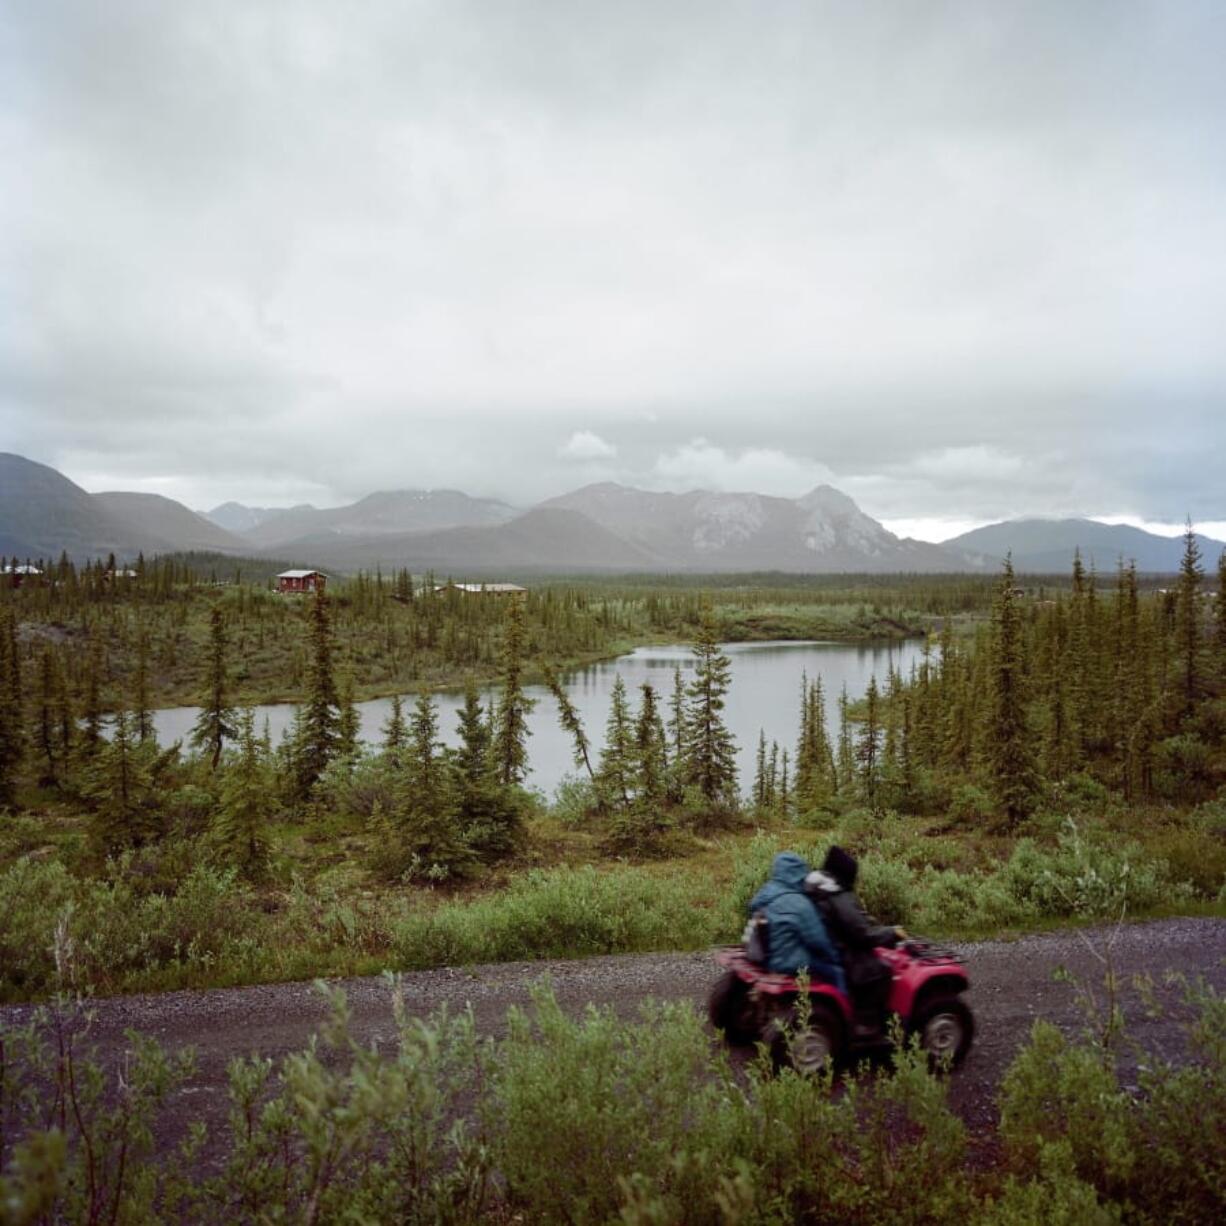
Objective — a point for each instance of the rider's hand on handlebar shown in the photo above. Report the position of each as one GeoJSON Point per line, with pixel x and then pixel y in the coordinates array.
{"type": "Point", "coordinates": [901, 933]}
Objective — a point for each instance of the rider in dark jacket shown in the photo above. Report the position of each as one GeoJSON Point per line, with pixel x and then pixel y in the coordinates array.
{"type": "Point", "coordinates": [832, 888]}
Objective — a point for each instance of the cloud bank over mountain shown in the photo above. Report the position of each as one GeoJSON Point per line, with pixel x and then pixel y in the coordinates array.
{"type": "Point", "coordinates": [960, 261]}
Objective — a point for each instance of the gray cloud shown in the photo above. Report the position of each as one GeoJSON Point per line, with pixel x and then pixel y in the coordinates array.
{"type": "Point", "coordinates": [963, 260]}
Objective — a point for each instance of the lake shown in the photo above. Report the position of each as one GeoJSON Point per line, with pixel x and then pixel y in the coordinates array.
{"type": "Point", "coordinates": [764, 695]}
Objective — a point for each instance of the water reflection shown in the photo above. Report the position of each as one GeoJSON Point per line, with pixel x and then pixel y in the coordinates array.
{"type": "Point", "coordinates": [764, 695]}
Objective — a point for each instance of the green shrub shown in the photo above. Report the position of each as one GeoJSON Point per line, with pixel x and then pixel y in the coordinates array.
{"type": "Point", "coordinates": [34, 896]}
{"type": "Point", "coordinates": [970, 805]}
{"type": "Point", "coordinates": [887, 890]}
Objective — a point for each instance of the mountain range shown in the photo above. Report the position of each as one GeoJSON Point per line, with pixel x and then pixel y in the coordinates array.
{"type": "Point", "coordinates": [604, 527]}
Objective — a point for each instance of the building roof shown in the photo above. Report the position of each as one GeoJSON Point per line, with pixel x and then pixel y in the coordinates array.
{"type": "Point", "coordinates": [22, 570]}
{"type": "Point", "coordinates": [300, 574]}
{"type": "Point", "coordinates": [482, 587]}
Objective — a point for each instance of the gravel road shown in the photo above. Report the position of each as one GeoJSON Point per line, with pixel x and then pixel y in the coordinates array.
{"type": "Point", "coordinates": [1013, 983]}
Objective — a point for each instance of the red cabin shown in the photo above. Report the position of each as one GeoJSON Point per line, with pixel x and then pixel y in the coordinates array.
{"type": "Point", "coordinates": [293, 581]}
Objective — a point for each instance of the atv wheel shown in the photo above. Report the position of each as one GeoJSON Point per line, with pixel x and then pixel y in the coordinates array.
{"type": "Point", "coordinates": [732, 1011]}
{"type": "Point", "coordinates": [811, 1048]}
{"type": "Point", "coordinates": [946, 1028]}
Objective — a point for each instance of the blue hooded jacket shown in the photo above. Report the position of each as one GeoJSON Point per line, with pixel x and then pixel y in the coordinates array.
{"type": "Point", "coordinates": [798, 937]}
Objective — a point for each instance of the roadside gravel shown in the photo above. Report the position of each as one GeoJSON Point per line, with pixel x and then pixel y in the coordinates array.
{"type": "Point", "coordinates": [1013, 984]}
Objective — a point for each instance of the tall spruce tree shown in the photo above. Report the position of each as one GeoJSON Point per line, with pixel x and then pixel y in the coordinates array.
{"type": "Point", "coordinates": [1188, 618]}
{"type": "Point", "coordinates": [348, 722]}
{"type": "Point", "coordinates": [676, 717]}
{"type": "Point", "coordinates": [709, 752]}
{"type": "Point", "coordinates": [572, 724]}
{"type": "Point", "coordinates": [845, 773]}
{"type": "Point", "coordinates": [615, 775]}
{"type": "Point", "coordinates": [215, 723]}
{"type": "Point", "coordinates": [1009, 745]}
{"type": "Point", "coordinates": [1219, 636]}
{"type": "Point", "coordinates": [649, 749]}
{"type": "Point", "coordinates": [868, 747]}
{"type": "Point", "coordinates": [246, 802]}
{"type": "Point", "coordinates": [11, 723]}
{"type": "Point", "coordinates": [395, 733]}
{"type": "Point", "coordinates": [141, 713]}
{"type": "Point", "coordinates": [432, 845]}
{"type": "Point", "coordinates": [320, 725]}
{"type": "Point", "coordinates": [510, 748]}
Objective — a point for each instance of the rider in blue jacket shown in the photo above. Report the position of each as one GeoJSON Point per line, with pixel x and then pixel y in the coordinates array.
{"type": "Point", "coordinates": [798, 939]}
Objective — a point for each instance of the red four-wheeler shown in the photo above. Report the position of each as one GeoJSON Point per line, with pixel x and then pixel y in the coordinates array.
{"type": "Point", "coordinates": [751, 1004]}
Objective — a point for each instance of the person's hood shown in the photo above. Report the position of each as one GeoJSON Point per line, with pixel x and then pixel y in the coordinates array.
{"type": "Point", "coordinates": [818, 882]}
{"type": "Point", "coordinates": [790, 870]}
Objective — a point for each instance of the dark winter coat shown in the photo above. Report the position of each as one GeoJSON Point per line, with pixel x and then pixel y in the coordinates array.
{"type": "Point", "coordinates": [798, 938]}
{"type": "Point", "coordinates": [851, 929]}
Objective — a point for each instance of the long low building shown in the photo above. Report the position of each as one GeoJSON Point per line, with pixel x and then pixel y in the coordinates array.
{"type": "Point", "coordinates": [484, 589]}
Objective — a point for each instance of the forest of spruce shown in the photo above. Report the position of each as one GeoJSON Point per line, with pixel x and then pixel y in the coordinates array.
{"type": "Point", "coordinates": [1056, 756]}
{"type": "Point", "coordinates": [1048, 725]}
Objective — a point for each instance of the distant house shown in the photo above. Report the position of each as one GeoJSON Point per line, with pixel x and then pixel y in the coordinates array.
{"type": "Point", "coordinates": [484, 589]}
{"type": "Point", "coordinates": [291, 581]}
{"type": "Point", "coordinates": [16, 575]}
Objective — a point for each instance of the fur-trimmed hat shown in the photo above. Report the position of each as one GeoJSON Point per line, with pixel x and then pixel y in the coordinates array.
{"type": "Point", "coordinates": [842, 866]}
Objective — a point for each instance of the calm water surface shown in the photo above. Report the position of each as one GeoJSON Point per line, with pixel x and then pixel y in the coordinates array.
{"type": "Point", "coordinates": [764, 695]}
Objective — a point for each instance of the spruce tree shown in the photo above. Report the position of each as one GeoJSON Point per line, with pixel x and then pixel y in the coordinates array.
{"type": "Point", "coordinates": [1188, 618]}
{"type": "Point", "coordinates": [571, 723]}
{"type": "Point", "coordinates": [11, 722]}
{"type": "Point", "coordinates": [91, 712]}
{"type": "Point", "coordinates": [1009, 746]}
{"type": "Point", "coordinates": [615, 774]}
{"type": "Point", "coordinates": [676, 717]}
{"type": "Point", "coordinates": [709, 752]}
{"type": "Point", "coordinates": [348, 722]}
{"type": "Point", "coordinates": [759, 774]}
{"type": "Point", "coordinates": [215, 723]}
{"type": "Point", "coordinates": [119, 782]}
{"type": "Point", "coordinates": [488, 814]}
{"type": "Point", "coordinates": [845, 772]}
{"type": "Point", "coordinates": [395, 734]}
{"type": "Point", "coordinates": [511, 730]}
{"type": "Point", "coordinates": [1219, 637]}
{"type": "Point", "coordinates": [246, 802]}
{"type": "Point", "coordinates": [46, 725]}
{"type": "Point", "coordinates": [649, 751]}
{"type": "Point", "coordinates": [320, 725]}
{"type": "Point", "coordinates": [431, 842]}
{"type": "Point", "coordinates": [141, 712]}
{"type": "Point", "coordinates": [868, 746]}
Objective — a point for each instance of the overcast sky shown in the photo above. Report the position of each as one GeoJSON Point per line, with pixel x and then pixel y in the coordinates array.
{"type": "Point", "coordinates": [962, 260]}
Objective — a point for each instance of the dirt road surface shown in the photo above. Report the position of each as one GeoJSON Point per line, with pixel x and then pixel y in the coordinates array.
{"type": "Point", "coordinates": [1013, 984]}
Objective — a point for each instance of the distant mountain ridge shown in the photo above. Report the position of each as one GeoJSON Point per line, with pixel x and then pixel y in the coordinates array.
{"type": "Point", "coordinates": [601, 527]}
{"type": "Point", "coordinates": [43, 514]}
{"type": "Point", "coordinates": [1047, 546]}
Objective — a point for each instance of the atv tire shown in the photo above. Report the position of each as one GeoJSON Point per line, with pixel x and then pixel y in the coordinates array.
{"type": "Point", "coordinates": [732, 1011]}
{"type": "Point", "coordinates": [810, 1048]}
{"type": "Point", "coordinates": [946, 1029]}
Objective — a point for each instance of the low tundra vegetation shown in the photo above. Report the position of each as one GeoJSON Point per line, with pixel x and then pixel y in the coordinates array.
{"type": "Point", "coordinates": [171, 916]}
{"type": "Point", "coordinates": [601, 1119]}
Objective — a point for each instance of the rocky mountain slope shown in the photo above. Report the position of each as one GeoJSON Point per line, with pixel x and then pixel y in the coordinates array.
{"type": "Point", "coordinates": [822, 532]}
